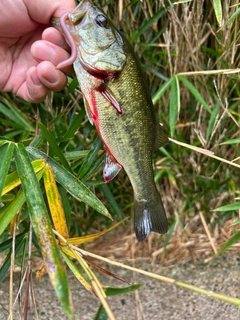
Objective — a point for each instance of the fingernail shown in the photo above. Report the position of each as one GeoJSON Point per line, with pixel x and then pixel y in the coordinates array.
{"type": "Point", "coordinates": [53, 76]}
{"type": "Point", "coordinates": [44, 52]}
{"type": "Point", "coordinates": [35, 78]}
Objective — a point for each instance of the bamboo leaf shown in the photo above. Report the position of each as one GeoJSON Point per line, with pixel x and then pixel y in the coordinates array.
{"type": "Point", "coordinates": [161, 90]}
{"type": "Point", "coordinates": [195, 93]}
{"type": "Point", "coordinates": [213, 119]}
{"type": "Point", "coordinates": [218, 11]}
{"type": "Point", "coordinates": [74, 125]}
{"type": "Point", "coordinates": [90, 159]}
{"type": "Point", "coordinates": [12, 180]}
{"type": "Point", "coordinates": [6, 152]}
{"type": "Point", "coordinates": [233, 16]}
{"type": "Point", "coordinates": [8, 212]}
{"type": "Point", "coordinates": [90, 237]}
{"type": "Point", "coordinates": [93, 169]}
{"type": "Point", "coordinates": [76, 271]}
{"type": "Point", "coordinates": [75, 187]}
{"type": "Point", "coordinates": [148, 24]}
{"type": "Point", "coordinates": [229, 207]}
{"type": "Point", "coordinates": [232, 141]}
{"type": "Point", "coordinates": [234, 239]}
{"type": "Point", "coordinates": [53, 144]}
{"type": "Point", "coordinates": [174, 107]}
{"type": "Point", "coordinates": [43, 229]}
{"type": "Point", "coordinates": [14, 114]}
{"type": "Point", "coordinates": [54, 202]}
{"type": "Point", "coordinates": [110, 291]}
{"type": "Point", "coordinates": [111, 200]}
{"type": "Point", "coordinates": [6, 264]}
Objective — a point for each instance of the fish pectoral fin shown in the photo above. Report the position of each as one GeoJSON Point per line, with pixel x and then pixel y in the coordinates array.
{"type": "Point", "coordinates": [161, 138]}
{"type": "Point", "coordinates": [111, 168]}
{"type": "Point", "coordinates": [107, 93]}
{"type": "Point", "coordinates": [88, 110]}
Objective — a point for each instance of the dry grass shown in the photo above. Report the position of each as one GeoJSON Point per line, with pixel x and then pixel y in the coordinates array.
{"type": "Point", "coordinates": [193, 44]}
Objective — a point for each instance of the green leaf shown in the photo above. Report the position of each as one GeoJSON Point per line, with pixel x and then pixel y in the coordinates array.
{"type": "Point", "coordinates": [218, 11]}
{"type": "Point", "coordinates": [233, 16]}
{"type": "Point", "coordinates": [110, 291]}
{"type": "Point", "coordinates": [6, 152]}
{"type": "Point", "coordinates": [8, 212]}
{"type": "Point", "coordinates": [234, 239]}
{"type": "Point", "coordinates": [101, 314]}
{"type": "Point", "coordinates": [229, 207]}
{"type": "Point", "coordinates": [90, 159]}
{"type": "Point", "coordinates": [43, 228]}
{"type": "Point", "coordinates": [6, 264]}
{"type": "Point", "coordinates": [8, 243]}
{"type": "Point", "coordinates": [195, 93]}
{"type": "Point", "coordinates": [232, 141]}
{"type": "Point", "coordinates": [94, 168]}
{"type": "Point", "coordinates": [174, 106]}
{"type": "Point", "coordinates": [74, 125]}
{"type": "Point", "coordinates": [157, 95]}
{"type": "Point", "coordinates": [213, 119]}
{"type": "Point", "coordinates": [147, 24]}
{"type": "Point", "coordinates": [14, 114]}
{"type": "Point", "coordinates": [54, 147]}
{"type": "Point", "coordinates": [74, 186]}
{"type": "Point", "coordinates": [111, 200]}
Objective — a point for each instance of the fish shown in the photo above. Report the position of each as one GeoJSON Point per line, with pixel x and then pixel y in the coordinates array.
{"type": "Point", "coordinates": [118, 102]}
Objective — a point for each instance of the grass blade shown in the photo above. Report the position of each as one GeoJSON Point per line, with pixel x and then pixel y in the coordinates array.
{"type": "Point", "coordinates": [195, 93]}
{"type": "Point", "coordinates": [54, 147]}
{"type": "Point", "coordinates": [161, 90]}
{"type": "Point", "coordinates": [90, 159]}
{"type": "Point", "coordinates": [6, 153]}
{"type": "Point", "coordinates": [116, 291]}
{"type": "Point", "coordinates": [234, 239]}
{"type": "Point", "coordinates": [233, 16]}
{"type": "Point", "coordinates": [229, 207]}
{"type": "Point", "coordinates": [174, 107]}
{"type": "Point", "coordinates": [15, 114]}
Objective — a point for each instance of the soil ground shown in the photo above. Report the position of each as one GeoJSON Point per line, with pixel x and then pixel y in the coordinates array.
{"type": "Point", "coordinates": [155, 300]}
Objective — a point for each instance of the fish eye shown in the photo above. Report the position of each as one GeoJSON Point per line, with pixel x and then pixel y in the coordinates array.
{"type": "Point", "coordinates": [101, 21]}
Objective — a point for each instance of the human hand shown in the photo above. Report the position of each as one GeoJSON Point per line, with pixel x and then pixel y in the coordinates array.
{"type": "Point", "coordinates": [30, 48]}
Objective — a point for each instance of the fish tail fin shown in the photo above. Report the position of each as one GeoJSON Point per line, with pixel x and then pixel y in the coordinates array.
{"type": "Point", "coordinates": [149, 217]}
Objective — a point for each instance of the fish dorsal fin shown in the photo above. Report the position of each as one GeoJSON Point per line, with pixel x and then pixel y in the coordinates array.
{"type": "Point", "coordinates": [111, 168]}
{"type": "Point", "coordinates": [161, 138]}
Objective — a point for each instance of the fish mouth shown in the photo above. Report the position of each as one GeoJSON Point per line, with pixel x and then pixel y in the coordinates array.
{"type": "Point", "coordinates": [96, 72]}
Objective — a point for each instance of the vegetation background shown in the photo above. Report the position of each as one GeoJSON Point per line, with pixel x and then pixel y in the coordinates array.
{"type": "Point", "coordinates": [190, 53]}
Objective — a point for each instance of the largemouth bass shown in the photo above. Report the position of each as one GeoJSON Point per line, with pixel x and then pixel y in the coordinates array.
{"type": "Point", "coordinates": [118, 102]}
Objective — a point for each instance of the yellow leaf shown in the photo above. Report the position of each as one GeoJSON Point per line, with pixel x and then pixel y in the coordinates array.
{"type": "Point", "coordinates": [55, 203]}
{"type": "Point", "coordinates": [13, 180]}
{"type": "Point", "coordinates": [83, 239]}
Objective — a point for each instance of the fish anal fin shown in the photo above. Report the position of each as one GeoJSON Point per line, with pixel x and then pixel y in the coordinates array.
{"type": "Point", "coordinates": [161, 139]}
{"type": "Point", "coordinates": [109, 96]}
{"type": "Point", "coordinates": [111, 168]}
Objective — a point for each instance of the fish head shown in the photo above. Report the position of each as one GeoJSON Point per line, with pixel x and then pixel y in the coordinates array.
{"type": "Point", "coordinates": [100, 46]}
